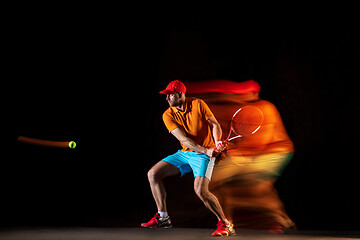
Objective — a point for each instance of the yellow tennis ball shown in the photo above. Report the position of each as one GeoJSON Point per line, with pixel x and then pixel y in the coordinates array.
{"type": "Point", "coordinates": [72, 144]}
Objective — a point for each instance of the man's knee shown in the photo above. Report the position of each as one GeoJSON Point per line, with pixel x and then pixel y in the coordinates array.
{"type": "Point", "coordinates": [202, 192]}
{"type": "Point", "coordinates": [157, 172]}
{"type": "Point", "coordinates": [153, 175]}
{"type": "Point", "coordinates": [162, 170]}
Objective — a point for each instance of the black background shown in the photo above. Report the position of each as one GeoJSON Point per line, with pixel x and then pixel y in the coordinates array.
{"type": "Point", "coordinates": [93, 76]}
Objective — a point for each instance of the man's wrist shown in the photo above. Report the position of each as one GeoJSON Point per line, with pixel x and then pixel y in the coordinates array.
{"type": "Point", "coordinates": [204, 150]}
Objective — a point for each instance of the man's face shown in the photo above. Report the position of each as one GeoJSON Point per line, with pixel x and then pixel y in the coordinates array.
{"type": "Point", "coordinates": [174, 99]}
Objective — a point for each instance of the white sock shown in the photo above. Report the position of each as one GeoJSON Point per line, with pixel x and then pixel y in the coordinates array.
{"type": "Point", "coordinates": [163, 214]}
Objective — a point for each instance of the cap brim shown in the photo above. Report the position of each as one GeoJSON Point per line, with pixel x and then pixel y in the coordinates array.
{"type": "Point", "coordinates": [166, 92]}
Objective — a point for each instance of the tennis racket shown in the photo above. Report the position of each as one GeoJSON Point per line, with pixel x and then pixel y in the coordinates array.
{"type": "Point", "coordinates": [245, 122]}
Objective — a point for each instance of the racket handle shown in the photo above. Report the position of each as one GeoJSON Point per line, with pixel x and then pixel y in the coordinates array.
{"type": "Point", "coordinates": [210, 168]}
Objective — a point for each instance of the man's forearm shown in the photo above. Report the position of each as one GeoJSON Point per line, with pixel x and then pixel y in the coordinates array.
{"type": "Point", "coordinates": [188, 142]}
{"type": "Point", "coordinates": [217, 132]}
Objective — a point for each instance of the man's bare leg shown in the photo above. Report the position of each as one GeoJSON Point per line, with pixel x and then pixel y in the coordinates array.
{"type": "Point", "coordinates": [156, 175]}
{"type": "Point", "coordinates": [201, 187]}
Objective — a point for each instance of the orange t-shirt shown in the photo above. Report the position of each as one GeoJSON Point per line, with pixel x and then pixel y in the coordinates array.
{"type": "Point", "coordinates": [192, 121]}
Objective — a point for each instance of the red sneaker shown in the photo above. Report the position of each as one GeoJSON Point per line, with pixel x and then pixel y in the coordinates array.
{"type": "Point", "coordinates": [223, 230]}
{"type": "Point", "coordinates": [158, 222]}
{"type": "Point", "coordinates": [276, 229]}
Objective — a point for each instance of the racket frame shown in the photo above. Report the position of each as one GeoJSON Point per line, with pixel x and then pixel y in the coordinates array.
{"type": "Point", "coordinates": [228, 139]}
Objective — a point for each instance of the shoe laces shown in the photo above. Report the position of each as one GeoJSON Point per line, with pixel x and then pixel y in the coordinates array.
{"type": "Point", "coordinates": [155, 219]}
{"type": "Point", "coordinates": [221, 225]}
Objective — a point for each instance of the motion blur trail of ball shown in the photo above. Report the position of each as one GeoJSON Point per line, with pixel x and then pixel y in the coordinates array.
{"type": "Point", "coordinates": [47, 143]}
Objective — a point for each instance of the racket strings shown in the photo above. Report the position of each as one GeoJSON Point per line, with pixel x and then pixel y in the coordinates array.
{"type": "Point", "coordinates": [247, 121]}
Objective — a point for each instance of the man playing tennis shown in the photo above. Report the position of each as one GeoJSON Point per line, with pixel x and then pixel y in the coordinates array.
{"type": "Point", "coordinates": [194, 125]}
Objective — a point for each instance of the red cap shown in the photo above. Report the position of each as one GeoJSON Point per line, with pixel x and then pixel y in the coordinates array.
{"type": "Point", "coordinates": [174, 86]}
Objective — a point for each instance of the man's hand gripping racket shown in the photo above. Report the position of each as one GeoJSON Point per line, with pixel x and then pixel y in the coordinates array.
{"type": "Point", "coordinates": [245, 122]}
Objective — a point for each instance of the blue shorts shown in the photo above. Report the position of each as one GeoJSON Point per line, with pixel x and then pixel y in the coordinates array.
{"type": "Point", "coordinates": [186, 161]}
